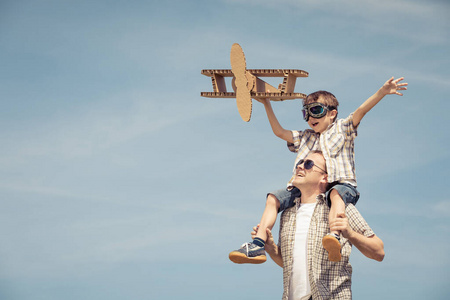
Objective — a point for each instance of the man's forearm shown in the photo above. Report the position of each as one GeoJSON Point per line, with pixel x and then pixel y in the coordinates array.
{"type": "Point", "coordinates": [275, 254]}
{"type": "Point", "coordinates": [372, 247]}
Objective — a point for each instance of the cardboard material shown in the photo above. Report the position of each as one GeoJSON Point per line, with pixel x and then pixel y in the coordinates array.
{"type": "Point", "coordinates": [247, 83]}
{"type": "Point", "coordinates": [243, 82]}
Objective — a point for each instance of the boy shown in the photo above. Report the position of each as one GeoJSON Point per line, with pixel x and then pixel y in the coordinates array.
{"type": "Point", "coordinates": [335, 138]}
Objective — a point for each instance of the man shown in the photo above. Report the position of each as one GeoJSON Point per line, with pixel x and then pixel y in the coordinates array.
{"type": "Point", "coordinates": [307, 272]}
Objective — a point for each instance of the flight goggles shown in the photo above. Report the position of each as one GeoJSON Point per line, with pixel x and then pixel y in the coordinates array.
{"type": "Point", "coordinates": [316, 110]}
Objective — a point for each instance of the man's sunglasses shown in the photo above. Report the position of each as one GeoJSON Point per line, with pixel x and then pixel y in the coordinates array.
{"type": "Point", "coordinates": [316, 110]}
{"type": "Point", "coordinates": [308, 164]}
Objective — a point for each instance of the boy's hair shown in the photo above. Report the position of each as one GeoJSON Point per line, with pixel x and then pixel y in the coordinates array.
{"type": "Point", "coordinates": [328, 98]}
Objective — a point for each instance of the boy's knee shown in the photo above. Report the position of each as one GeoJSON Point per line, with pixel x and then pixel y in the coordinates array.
{"type": "Point", "coordinates": [335, 196]}
{"type": "Point", "coordinates": [272, 201]}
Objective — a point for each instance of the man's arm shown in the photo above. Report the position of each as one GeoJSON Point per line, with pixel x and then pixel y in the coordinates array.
{"type": "Point", "coordinates": [372, 247]}
{"type": "Point", "coordinates": [277, 129]}
{"type": "Point", "coordinates": [389, 87]}
{"type": "Point", "coordinates": [271, 248]}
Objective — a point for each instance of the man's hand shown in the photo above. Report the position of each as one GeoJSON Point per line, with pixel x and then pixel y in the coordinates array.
{"type": "Point", "coordinates": [271, 248]}
{"type": "Point", "coordinates": [270, 245]}
{"type": "Point", "coordinates": [372, 246]}
{"type": "Point", "coordinates": [393, 86]}
{"type": "Point", "coordinates": [341, 224]}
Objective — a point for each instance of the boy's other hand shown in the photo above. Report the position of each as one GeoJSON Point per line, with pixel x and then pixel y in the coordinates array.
{"type": "Point", "coordinates": [392, 86]}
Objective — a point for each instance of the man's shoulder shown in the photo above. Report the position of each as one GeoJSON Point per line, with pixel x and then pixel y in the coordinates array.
{"type": "Point", "coordinates": [352, 212]}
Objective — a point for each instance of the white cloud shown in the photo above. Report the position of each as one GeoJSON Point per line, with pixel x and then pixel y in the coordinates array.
{"type": "Point", "coordinates": [394, 16]}
{"type": "Point", "coordinates": [441, 208]}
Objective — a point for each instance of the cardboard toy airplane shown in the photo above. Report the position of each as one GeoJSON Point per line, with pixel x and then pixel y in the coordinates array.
{"type": "Point", "coordinates": [248, 85]}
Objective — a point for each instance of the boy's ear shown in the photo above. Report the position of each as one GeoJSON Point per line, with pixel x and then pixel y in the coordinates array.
{"type": "Point", "coordinates": [333, 113]}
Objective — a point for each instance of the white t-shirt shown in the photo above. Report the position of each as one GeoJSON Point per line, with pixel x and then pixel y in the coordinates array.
{"type": "Point", "coordinates": [299, 285]}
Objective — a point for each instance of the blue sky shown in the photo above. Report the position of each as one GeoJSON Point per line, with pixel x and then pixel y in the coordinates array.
{"type": "Point", "coordinates": [118, 181]}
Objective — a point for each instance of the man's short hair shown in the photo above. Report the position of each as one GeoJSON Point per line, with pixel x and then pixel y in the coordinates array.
{"type": "Point", "coordinates": [316, 152]}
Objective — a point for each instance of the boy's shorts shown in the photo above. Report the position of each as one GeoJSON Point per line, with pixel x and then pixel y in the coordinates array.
{"type": "Point", "coordinates": [348, 193]}
{"type": "Point", "coordinates": [286, 197]}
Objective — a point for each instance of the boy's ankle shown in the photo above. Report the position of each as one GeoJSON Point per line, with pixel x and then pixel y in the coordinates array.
{"type": "Point", "coordinates": [259, 242]}
{"type": "Point", "coordinates": [336, 235]}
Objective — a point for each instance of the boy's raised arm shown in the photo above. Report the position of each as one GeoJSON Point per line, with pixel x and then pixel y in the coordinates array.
{"type": "Point", "coordinates": [389, 87]}
{"type": "Point", "coordinates": [277, 129]}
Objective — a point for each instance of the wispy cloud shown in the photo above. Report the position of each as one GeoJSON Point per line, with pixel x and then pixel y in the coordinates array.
{"type": "Point", "coordinates": [395, 14]}
{"type": "Point", "coordinates": [441, 208]}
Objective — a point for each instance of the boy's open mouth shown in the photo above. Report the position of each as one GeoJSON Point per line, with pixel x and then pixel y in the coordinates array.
{"type": "Point", "coordinates": [314, 124]}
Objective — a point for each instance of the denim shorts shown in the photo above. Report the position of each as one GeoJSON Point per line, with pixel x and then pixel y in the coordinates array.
{"type": "Point", "coordinates": [348, 193]}
{"type": "Point", "coordinates": [286, 197]}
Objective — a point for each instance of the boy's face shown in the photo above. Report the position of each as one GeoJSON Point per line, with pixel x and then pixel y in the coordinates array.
{"type": "Point", "coordinates": [320, 125]}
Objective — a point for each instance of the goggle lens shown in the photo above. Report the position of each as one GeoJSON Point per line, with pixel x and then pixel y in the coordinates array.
{"type": "Point", "coordinates": [316, 110]}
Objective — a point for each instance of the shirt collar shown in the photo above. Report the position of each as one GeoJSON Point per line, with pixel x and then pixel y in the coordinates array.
{"type": "Point", "coordinates": [320, 198]}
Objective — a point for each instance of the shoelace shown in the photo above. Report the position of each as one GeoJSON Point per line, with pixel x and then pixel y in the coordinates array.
{"type": "Point", "coordinates": [246, 247]}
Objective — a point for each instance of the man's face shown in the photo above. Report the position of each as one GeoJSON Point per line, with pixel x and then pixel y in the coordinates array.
{"type": "Point", "coordinates": [312, 176]}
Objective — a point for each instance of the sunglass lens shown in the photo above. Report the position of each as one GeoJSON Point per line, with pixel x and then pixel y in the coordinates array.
{"type": "Point", "coordinates": [308, 164]}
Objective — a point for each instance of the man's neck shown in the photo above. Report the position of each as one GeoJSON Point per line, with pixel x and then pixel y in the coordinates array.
{"type": "Point", "coordinates": [309, 197]}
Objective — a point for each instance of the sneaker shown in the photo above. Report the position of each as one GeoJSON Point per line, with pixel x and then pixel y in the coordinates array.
{"type": "Point", "coordinates": [331, 243]}
{"type": "Point", "coordinates": [249, 253]}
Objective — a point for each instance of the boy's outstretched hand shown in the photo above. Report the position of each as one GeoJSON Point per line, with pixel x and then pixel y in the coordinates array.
{"type": "Point", "coordinates": [392, 86]}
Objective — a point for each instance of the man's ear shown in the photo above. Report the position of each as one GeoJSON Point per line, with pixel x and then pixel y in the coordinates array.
{"type": "Point", "coordinates": [324, 179]}
{"type": "Point", "coordinates": [323, 183]}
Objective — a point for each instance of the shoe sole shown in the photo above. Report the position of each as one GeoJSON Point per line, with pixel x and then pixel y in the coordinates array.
{"type": "Point", "coordinates": [241, 258]}
{"type": "Point", "coordinates": [332, 245]}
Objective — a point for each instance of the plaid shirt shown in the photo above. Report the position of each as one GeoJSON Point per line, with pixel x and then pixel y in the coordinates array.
{"type": "Point", "coordinates": [329, 280]}
{"type": "Point", "coordinates": [337, 145]}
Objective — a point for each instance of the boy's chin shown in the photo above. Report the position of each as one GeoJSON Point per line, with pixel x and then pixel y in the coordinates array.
{"type": "Point", "coordinates": [317, 131]}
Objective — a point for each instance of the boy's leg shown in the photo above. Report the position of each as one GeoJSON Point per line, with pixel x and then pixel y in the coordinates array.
{"type": "Point", "coordinates": [269, 217]}
{"type": "Point", "coordinates": [338, 197]}
{"type": "Point", "coordinates": [331, 241]}
{"type": "Point", "coordinates": [254, 252]}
